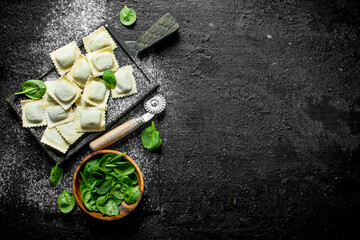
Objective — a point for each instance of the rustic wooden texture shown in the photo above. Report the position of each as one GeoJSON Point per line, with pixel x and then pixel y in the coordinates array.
{"type": "Point", "coordinates": [115, 135]}
{"type": "Point", "coordinates": [124, 208]}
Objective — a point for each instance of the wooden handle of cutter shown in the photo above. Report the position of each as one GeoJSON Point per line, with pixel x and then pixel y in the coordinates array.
{"type": "Point", "coordinates": [116, 134]}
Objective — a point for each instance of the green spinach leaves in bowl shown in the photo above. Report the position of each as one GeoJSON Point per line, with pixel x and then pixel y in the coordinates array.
{"type": "Point", "coordinates": [107, 182]}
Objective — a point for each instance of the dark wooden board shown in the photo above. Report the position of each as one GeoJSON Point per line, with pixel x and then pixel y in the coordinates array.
{"type": "Point", "coordinates": [117, 108]}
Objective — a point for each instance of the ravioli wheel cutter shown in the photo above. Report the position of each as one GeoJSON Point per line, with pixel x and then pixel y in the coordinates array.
{"type": "Point", "coordinates": [154, 105]}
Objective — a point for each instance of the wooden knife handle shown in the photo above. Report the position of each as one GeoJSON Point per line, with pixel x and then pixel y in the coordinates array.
{"type": "Point", "coordinates": [116, 134]}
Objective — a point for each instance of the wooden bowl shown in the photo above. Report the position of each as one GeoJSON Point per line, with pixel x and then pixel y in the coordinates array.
{"type": "Point", "coordinates": [124, 208]}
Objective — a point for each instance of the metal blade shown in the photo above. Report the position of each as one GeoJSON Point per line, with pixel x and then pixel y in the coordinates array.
{"type": "Point", "coordinates": [147, 117]}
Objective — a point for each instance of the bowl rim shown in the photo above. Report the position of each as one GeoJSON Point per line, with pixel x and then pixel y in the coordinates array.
{"type": "Point", "coordinates": [125, 209]}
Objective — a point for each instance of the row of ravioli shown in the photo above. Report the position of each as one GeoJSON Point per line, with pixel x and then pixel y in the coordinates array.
{"type": "Point", "coordinates": [77, 101]}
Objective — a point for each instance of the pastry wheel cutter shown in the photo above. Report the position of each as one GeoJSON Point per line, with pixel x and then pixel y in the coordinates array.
{"type": "Point", "coordinates": [154, 105]}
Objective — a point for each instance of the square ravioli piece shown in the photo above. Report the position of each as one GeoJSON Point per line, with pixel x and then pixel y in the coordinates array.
{"type": "Point", "coordinates": [47, 98]}
{"type": "Point", "coordinates": [69, 132]}
{"type": "Point", "coordinates": [90, 119]}
{"type": "Point", "coordinates": [64, 57]}
{"type": "Point", "coordinates": [80, 72]}
{"type": "Point", "coordinates": [98, 39]}
{"type": "Point", "coordinates": [125, 83]}
{"type": "Point", "coordinates": [33, 113]}
{"type": "Point", "coordinates": [96, 92]}
{"type": "Point", "coordinates": [56, 115]}
{"type": "Point", "coordinates": [64, 92]}
{"type": "Point", "coordinates": [102, 60]}
{"type": "Point", "coordinates": [54, 139]}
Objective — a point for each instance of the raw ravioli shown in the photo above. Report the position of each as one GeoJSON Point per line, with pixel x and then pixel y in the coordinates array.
{"type": "Point", "coordinates": [102, 60]}
{"type": "Point", "coordinates": [64, 57]}
{"type": "Point", "coordinates": [54, 139]}
{"type": "Point", "coordinates": [125, 83]}
{"type": "Point", "coordinates": [33, 113]}
{"type": "Point", "coordinates": [98, 39]}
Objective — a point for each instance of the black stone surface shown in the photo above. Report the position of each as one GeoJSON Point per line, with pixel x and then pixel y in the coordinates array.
{"type": "Point", "coordinates": [260, 135]}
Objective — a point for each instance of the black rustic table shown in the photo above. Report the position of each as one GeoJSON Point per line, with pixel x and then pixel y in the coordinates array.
{"type": "Point", "coordinates": [260, 134]}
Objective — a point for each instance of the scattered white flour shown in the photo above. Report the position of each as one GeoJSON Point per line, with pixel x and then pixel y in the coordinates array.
{"type": "Point", "coordinates": [29, 177]}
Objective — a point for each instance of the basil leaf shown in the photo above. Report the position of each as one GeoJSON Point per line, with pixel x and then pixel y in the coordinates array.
{"type": "Point", "coordinates": [109, 78]}
{"type": "Point", "coordinates": [56, 175]}
{"type": "Point", "coordinates": [66, 202]}
{"type": "Point", "coordinates": [33, 89]}
{"type": "Point", "coordinates": [151, 137]}
{"type": "Point", "coordinates": [132, 194]}
{"type": "Point", "coordinates": [110, 208]}
{"type": "Point", "coordinates": [127, 16]}
{"type": "Point", "coordinates": [124, 169]}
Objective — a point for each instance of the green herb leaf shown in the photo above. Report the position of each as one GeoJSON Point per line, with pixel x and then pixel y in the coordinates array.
{"type": "Point", "coordinates": [56, 175]}
{"type": "Point", "coordinates": [105, 182]}
{"type": "Point", "coordinates": [124, 169]}
{"type": "Point", "coordinates": [104, 187]}
{"type": "Point", "coordinates": [132, 194]}
{"type": "Point", "coordinates": [127, 16]}
{"type": "Point", "coordinates": [151, 137]}
{"type": "Point", "coordinates": [33, 89]}
{"type": "Point", "coordinates": [125, 179]}
{"type": "Point", "coordinates": [83, 187]}
{"type": "Point", "coordinates": [66, 202]}
{"type": "Point", "coordinates": [134, 178]}
{"type": "Point", "coordinates": [118, 190]}
{"type": "Point", "coordinates": [111, 208]}
{"type": "Point", "coordinates": [90, 167]}
{"type": "Point", "coordinates": [109, 78]}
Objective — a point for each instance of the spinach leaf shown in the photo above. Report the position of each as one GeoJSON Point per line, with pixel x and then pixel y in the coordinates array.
{"type": "Point", "coordinates": [118, 190]}
{"type": "Point", "coordinates": [96, 176]}
{"type": "Point", "coordinates": [116, 159]}
{"type": "Point", "coordinates": [151, 137]}
{"type": "Point", "coordinates": [104, 187]}
{"type": "Point", "coordinates": [85, 196]}
{"type": "Point", "coordinates": [125, 168]}
{"type": "Point", "coordinates": [110, 208]}
{"type": "Point", "coordinates": [90, 167]}
{"type": "Point", "coordinates": [89, 200]}
{"type": "Point", "coordinates": [127, 16]}
{"type": "Point", "coordinates": [83, 187]}
{"type": "Point", "coordinates": [125, 179]}
{"type": "Point", "coordinates": [66, 202]}
{"type": "Point", "coordinates": [132, 194]}
{"type": "Point", "coordinates": [85, 181]}
{"type": "Point", "coordinates": [96, 183]}
{"type": "Point", "coordinates": [118, 201]}
{"type": "Point", "coordinates": [100, 202]}
{"type": "Point", "coordinates": [109, 78]}
{"type": "Point", "coordinates": [91, 204]}
{"type": "Point", "coordinates": [105, 183]}
{"type": "Point", "coordinates": [105, 160]}
{"type": "Point", "coordinates": [55, 175]}
{"type": "Point", "coordinates": [33, 89]}
{"type": "Point", "coordinates": [134, 178]}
